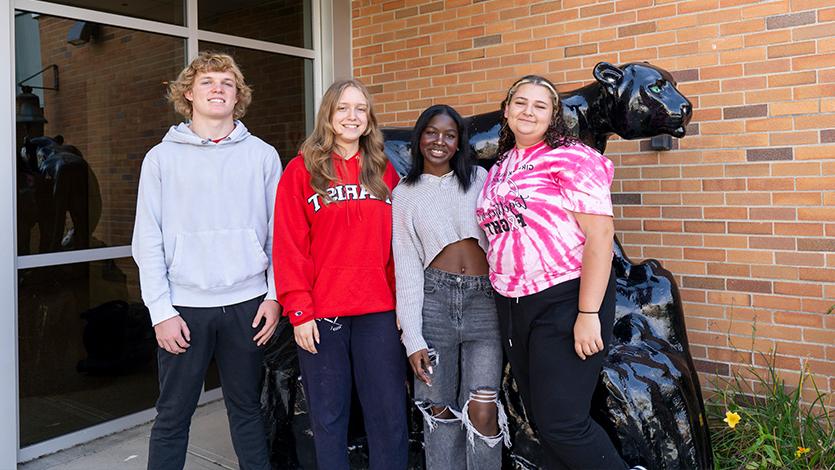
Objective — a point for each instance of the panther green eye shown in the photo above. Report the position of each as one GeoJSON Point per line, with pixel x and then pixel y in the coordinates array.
{"type": "Point", "coordinates": [655, 88]}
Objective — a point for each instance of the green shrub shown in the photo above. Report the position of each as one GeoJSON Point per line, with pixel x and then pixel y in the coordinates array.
{"type": "Point", "coordinates": [775, 429]}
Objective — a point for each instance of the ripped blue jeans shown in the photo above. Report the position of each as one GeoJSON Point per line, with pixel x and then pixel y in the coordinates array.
{"type": "Point", "coordinates": [461, 327]}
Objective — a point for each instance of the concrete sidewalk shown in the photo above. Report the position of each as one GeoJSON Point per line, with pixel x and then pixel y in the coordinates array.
{"type": "Point", "coordinates": [210, 447]}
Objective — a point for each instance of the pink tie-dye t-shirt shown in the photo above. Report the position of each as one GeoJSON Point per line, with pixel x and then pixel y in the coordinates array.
{"type": "Point", "coordinates": [526, 207]}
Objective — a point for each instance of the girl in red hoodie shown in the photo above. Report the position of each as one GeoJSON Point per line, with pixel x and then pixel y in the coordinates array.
{"type": "Point", "coordinates": [335, 279]}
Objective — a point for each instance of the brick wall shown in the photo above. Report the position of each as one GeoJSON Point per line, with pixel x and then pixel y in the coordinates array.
{"type": "Point", "coordinates": [742, 212]}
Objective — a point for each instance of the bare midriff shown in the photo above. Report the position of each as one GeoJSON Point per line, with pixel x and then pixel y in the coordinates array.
{"type": "Point", "coordinates": [462, 257]}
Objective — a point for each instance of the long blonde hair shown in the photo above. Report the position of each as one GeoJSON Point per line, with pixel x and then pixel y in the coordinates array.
{"type": "Point", "coordinates": [317, 148]}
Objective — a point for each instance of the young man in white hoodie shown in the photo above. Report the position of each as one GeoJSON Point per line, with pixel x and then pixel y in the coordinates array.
{"type": "Point", "coordinates": [203, 241]}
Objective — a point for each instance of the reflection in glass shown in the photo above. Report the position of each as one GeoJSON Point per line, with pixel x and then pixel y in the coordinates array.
{"type": "Point", "coordinates": [280, 21]}
{"type": "Point", "coordinates": [279, 98]}
{"type": "Point", "coordinates": [166, 11]}
{"type": "Point", "coordinates": [78, 167]}
{"type": "Point", "coordinates": [86, 347]}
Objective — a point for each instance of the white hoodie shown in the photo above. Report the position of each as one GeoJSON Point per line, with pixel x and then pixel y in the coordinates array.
{"type": "Point", "coordinates": [204, 221]}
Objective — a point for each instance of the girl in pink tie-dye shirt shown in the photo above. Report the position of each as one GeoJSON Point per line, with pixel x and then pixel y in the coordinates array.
{"type": "Point", "coordinates": [526, 210]}
{"type": "Point", "coordinates": [547, 213]}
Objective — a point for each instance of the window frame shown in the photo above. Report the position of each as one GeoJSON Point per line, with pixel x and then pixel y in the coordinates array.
{"type": "Point", "coordinates": [321, 57]}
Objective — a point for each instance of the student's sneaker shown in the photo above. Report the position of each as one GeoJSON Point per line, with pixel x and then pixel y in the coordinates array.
{"type": "Point", "coordinates": [638, 467]}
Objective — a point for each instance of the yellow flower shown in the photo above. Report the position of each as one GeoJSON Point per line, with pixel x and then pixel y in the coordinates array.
{"type": "Point", "coordinates": [731, 418]}
{"type": "Point", "coordinates": [800, 451]}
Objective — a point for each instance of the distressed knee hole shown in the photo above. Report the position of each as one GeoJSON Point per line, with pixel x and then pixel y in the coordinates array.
{"type": "Point", "coordinates": [434, 414]}
{"type": "Point", "coordinates": [483, 416]}
{"type": "Point", "coordinates": [442, 412]}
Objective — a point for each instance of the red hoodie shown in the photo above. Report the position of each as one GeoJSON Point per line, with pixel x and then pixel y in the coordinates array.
{"type": "Point", "coordinates": [332, 260]}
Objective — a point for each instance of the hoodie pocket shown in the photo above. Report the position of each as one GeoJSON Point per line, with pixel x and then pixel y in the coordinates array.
{"type": "Point", "coordinates": [216, 258]}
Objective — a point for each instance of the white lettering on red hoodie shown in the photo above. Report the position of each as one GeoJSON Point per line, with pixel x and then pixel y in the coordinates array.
{"type": "Point", "coordinates": [332, 259]}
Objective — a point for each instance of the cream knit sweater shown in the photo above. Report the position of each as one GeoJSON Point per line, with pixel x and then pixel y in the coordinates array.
{"type": "Point", "coordinates": [428, 215]}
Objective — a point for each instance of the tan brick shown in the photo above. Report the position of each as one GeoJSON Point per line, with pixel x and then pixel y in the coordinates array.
{"type": "Point", "coordinates": [705, 254]}
{"type": "Point", "coordinates": [768, 38]}
{"type": "Point", "coordinates": [729, 269]}
{"type": "Point", "coordinates": [765, 9]}
{"type": "Point", "coordinates": [681, 212]}
{"type": "Point", "coordinates": [814, 152]}
{"type": "Point", "coordinates": [797, 288]}
{"type": "Point", "coordinates": [772, 213]}
{"type": "Point", "coordinates": [809, 244]}
{"type": "Point", "coordinates": [682, 240]}
{"type": "Point", "coordinates": [685, 267]}
{"type": "Point", "coordinates": [772, 243]}
{"type": "Point", "coordinates": [816, 214]}
{"type": "Point", "coordinates": [801, 229]}
{"type": "Point", "coordinates": [813, 91]}
{"type": "Point", "coordinates": [810, 32]}
{"type": "Point", "coordinates": [768, 67]}
{"type": "Point", "coordinates": [792, 79]}
{"type": "Point", "coordinates": [725, 241]}
{"type": "Point", "coordinates": [793, 138]}
{"type": "Point", "coordinates": [717, 44]}
{"type": "Point", "coordinates": [581, 50]}
{"type": "Point", "coordinates": [721, 71]}
{"type": "Point", "coordinates": [660, 252]}
{"type": "Point", "coordinates": [763, 228]}
{"type": "Point", "coordinates": [729, 298]}
{"type": "Point", "coordinates": [776, 302]}
{"type": "Point", "coordinates": [799, 259]}
{"type": "Point", "coordinates": [819, 183]}
{"type": "Point", "coordinates": [769, 124]}
{"type": "Point", "coordinates": [704, 227]}
{"type": "Point", "coordinates": [749, 285]}
{"type": "Point", "coordinates": [771, 184]}
{"type": "Point", "coordinates": [725, 184]}
{"type": "Point", "coordinates": [748, 199]}
{"type": "Point", "coordinates": [817, 274]}
{"type": "Point", "coordinates": [641, 212]}
{"type": "Point", "coordinates": [784, 273]}
{"type": "Point", "coordinates": [797, 199]}
{"type": "Point", "coordinates": [742, 27]}
{"type": "Point", "coordinates": [819, 336]}
{"type": "Point", "coordinates": [751, 256]}
{"type": "Point", "coordinates": [725, 213]}
{"type": "Point", "coordinates": [769, 96]}
{"type": "Point", "coordinates": [662, 226]}
{"type": "Point", "coordinates": [702, 171]}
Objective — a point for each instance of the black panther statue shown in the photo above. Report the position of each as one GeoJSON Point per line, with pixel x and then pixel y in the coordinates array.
{"type": "Point", "coordinates": [648, 398]}
{"type": "Point", "coordinates": [59, 181]}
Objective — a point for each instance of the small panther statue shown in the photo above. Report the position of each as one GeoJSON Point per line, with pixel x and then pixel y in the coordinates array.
{"type": "Point", "coordinates": [59, 181]}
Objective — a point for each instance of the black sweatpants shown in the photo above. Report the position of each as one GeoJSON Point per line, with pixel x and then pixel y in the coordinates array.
{"type": "Point", "coordinates": [224, 333]}
{"type": "Point", "coordinates": [555, 384]}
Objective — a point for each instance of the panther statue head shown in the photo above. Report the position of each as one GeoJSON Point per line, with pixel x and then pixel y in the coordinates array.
{"type": "Point", "coordinates": [633, 101]}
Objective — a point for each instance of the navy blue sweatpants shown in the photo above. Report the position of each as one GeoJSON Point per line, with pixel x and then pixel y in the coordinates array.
{"type": "Point", "coordinates": [225, 333]}
{"type": "Point", "coordinates": [365, 349]}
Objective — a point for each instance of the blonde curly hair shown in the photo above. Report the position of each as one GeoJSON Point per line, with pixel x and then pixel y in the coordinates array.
{"type": "Point", "coordinates": [208, 61]}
